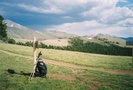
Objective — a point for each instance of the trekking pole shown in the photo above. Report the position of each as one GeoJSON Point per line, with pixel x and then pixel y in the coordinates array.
{"type": "Point", "coordinates": [35, 45]}
{"type": "Point", "coordinates": [33, 72]}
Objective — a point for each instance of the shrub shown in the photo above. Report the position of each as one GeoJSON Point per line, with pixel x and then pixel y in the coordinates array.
{"type": "Point", "coordinates": [12, 41]}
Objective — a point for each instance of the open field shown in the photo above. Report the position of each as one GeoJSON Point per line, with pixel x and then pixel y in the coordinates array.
{"type": "Point", "coordinates": [67, 70]}
{"type": "Point", "coordinates": [54, 42]}
{"type": "Point", "coordinates": [78, 58]}
{"type": "Point", "coordinates": [58, 77]}
{"type": "Point", "coordinates": [22, 40]}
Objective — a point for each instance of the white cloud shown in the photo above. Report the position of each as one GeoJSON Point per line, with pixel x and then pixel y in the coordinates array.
{"type": "Point", "coordinates": [66, 2]}
{"type": "Point", "coordinates": [116, 14]}
{"type": "Point", "coordinates": [87, 16]}
{"type": "Point", "coordinates": [107, 13]}
{"type": "Point", "coordinates": [125, 1]}
{"type": "Point", "coordinates": [126, 23]}
{"type": "Point", "coordinates": [79, 28]}
{"type": "Point", "coordinates": [6, 4]}
{"type": "Point", "coordinates": [104, 17]}
{"type": "Point", "coordinates": [79, 2]}
{"type": "Point", "coordinates": [130, 6]}
{"type": "Point", "coordinates": [52, 9]}
{"type": "Point", "coordinates": [38, 8]}
{"type": "Point", "coordinates": [92, 27]}
{"type": "Point", "coordinates": [66, 17]}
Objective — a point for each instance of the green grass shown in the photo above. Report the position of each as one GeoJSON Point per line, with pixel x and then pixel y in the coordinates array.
{"type": "Point", "coordinates": [58, 77]}
{"type": "Point", "coordinates": [85, 59]}
{"type": "Point", "coordinates": [20, 82]}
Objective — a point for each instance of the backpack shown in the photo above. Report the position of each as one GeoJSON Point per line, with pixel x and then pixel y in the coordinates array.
{"type": "Point", "coordinates": [41, 67]}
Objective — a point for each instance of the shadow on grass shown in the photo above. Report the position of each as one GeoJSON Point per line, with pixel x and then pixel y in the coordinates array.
{"type": "Point", "coordinates": [11, 71]}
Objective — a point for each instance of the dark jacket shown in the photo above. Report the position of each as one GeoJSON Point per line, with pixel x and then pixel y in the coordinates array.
{"type": "Point", "coordinates": [41, 67]}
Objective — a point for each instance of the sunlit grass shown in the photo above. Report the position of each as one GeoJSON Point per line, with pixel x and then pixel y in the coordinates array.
{"type": "Point", "coordinates": [19, 81]}
{"type": "Point", "coordinates": [58, 77]}
{"type": "Point", "coordinates": [79, 58]}
{"type": "Point", "coordinates": [24, 50]}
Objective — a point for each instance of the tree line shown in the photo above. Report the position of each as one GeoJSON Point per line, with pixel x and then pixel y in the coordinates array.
{"type": "Point", "coordinates": [77, 44]}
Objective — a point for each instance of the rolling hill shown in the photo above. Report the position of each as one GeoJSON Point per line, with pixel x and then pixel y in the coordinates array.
{"type": "Point", "coordinates": [15, 30]}
{"type": "Point", "coordinates": [105, 39]}
{"type": "Point", "coordinates": [22, 34]}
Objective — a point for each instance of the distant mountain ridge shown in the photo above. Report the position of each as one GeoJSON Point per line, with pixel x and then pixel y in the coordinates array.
{"type": "Point", "coordinates": [128, 38]}
{"type": "Point", "coordinates": [14, 24]}
{"type": "Point", "coordinates": [100, 34]}
{"type": "Point", "coordinates": [15, 30]}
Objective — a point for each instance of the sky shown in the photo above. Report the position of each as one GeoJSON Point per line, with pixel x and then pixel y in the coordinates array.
{"type": "Point", "coordinates": [80, 17]}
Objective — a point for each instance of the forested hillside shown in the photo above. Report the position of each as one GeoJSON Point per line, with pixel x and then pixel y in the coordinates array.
{"type": "Point", "coordinates": [78, 44]}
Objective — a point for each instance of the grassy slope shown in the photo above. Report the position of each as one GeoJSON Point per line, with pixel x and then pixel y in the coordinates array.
{"type": "Point", "coordinates": [23, 34]}
{"type": "Point", "coordinates": [58, 77]}
{"type": "Point", "coordinates": [26, 33]}
{"type": "Point", "coordinates": [56, 42]}
{"type": "Point", "coordinates": [22, 40]}
{"type": "Point", "coordinates": [109, 38]}
{"type": "Point", "coordinates": [85, 59]}
{"type": "Point", "coordinates": [64, 42]}
{"type": "Point", "coordinates": [113, 39]}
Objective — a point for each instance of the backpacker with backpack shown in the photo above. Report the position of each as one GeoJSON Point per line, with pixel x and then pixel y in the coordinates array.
{"type": "Point", "coordinates": [41, 68]}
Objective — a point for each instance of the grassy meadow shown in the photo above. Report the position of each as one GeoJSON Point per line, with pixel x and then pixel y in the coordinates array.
{"type": "Point", "coordinates": [78, 58]}
{"type": "Point", "coordinates": [54, 42]}
{"type": "Point", "coordinates": [62, 77]}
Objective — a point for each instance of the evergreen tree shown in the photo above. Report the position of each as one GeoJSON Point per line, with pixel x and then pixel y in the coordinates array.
{"type": "Point", "coordinates": [3, 27]}
{"type": "Point", "coordinates": [76, 44]}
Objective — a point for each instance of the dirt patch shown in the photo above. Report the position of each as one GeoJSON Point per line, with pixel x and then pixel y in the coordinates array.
{"type": "Point", "coordinates": [47, 61]}
{"type": "Point", "coordinates": [61, 77]}
{"type": "Point", "coordinates": [93, 87]}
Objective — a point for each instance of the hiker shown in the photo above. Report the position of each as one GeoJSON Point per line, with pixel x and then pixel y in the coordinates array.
{"type": "Point", "coordinates": [41, 68]}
